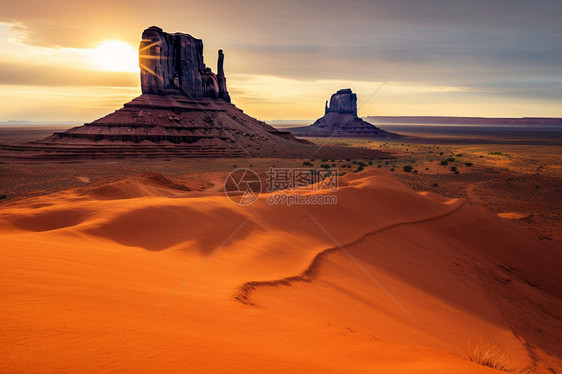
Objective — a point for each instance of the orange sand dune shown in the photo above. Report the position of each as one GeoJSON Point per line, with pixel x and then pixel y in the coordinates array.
{"type": "Point", "coordinates": [144, 276]}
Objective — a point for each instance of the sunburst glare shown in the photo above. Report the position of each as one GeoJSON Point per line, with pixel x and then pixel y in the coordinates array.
{"type": "Point", "coordinates": [115, 55]}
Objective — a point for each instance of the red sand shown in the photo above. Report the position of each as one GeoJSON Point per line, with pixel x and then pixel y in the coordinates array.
{"type": "Point", "coordinates": [97, 279]}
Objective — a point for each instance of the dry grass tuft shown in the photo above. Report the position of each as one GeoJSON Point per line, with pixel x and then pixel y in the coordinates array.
{"type": "Point", "coordinates": [490, 354]}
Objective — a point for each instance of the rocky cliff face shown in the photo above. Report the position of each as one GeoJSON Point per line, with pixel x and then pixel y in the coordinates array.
{"type": "Point", "coordinates": [172, 64]}
{"type": "Point", "coordinates": [344, 101]}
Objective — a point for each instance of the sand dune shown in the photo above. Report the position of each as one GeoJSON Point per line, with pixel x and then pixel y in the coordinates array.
{"type": "Point", "coordinates": [142, 275]}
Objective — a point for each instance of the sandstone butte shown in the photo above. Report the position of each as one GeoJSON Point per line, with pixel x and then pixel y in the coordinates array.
{"type": "Point", "coordinates": [340, 120]}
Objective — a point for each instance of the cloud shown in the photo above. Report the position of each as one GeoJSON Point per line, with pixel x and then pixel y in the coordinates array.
{"type": "Point", "coordinates": [63, 76]}
{"type": "Point", "coordinates": [476, 47]}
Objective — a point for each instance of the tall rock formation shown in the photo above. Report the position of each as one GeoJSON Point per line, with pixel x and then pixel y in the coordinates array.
{"type": "Point", "coordinates": [341, 120]}
{"type": "Point", "coordinates": [184, 110]}
{"type": "Point", "coordinates": [172, 64]}
{"type": "Point", "coordinates": [344, 101]}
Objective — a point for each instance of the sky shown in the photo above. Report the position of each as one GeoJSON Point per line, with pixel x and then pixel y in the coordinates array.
{"type": "Point", "coordinates": [77, 60]}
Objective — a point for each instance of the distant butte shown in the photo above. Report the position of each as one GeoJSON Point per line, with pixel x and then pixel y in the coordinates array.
{"type": "Point", "coordinates": [341, 120]}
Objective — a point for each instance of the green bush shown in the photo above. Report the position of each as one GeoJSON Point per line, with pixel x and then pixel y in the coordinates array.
{"type": "Point", "coordinates": [408, 168]}
{"type": "Point", "coordinates": [451, 159]}
{"type": "Point", "coordinates": [453, 168]}
{"type": "Point", "coordinates": [444, 162]}
{"type": "Point", "coordinates": [469, 164]}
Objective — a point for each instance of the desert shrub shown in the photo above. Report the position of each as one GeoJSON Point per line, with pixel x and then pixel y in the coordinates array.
{"type": "Point", "coordinates": [387, 162]}
{"type": "Point", "coordinates": [325, 166]}
{"type": "Point", "coordinates": [379, 166]}
{"type": "Point", "coordinates": [354, 162]}
{"type": "Point", "coordinates": [451, 159]}
{"type": "Point", "coordinates": [456, 171]}
{"type": "Point", "coordinates": [306, 163]}
{"type": "Point", "coordinates": [490, 355]}
{"type": "Point", "coordinates": [362, 164]}
{"type": "Point", "coordinates": [441, 153]}
{"type": "Point", "coordinates": [234, 166]}
{"type": "Point", "coordinates": [2, 197]}
{"type": "Point", "coordinates": [391, 169]}
{"type": "Point", "coordinates": [408, 168]}
{"type": "Point", "coordinates": [459, 155]}
{"type": "Point", "coordinates": [415, 172]}
{"type": "Point", "coordinates": [469, 164]}
{"type": "Point", "coordinates": [360, 168]}
{"type": "Point", "coordinates": [435, 184]}
{"type": "Point", "coordinates": [347, 159]}
{"type": "Point", "coordinates": [453, 168]}
{"type": "Point", "coordinates": [444, 162]}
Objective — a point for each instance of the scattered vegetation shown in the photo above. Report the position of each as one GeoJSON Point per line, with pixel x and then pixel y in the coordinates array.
{"type": "Point", "coordinates": [451, 159]}
{"type": "Point", "coordinates": [453, 168]}
{"type": "Point", "coordinates": [490, 355]}
{"type": "Point", "coordinates": [469, 164]}
{"type": "Point", "coordinates": [408, 168]}
{"type": "Point", "coordinates": [444, 162]}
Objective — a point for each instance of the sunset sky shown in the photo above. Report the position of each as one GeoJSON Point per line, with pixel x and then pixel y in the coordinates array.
{"type": "Point", "coordinates": [76, 60]}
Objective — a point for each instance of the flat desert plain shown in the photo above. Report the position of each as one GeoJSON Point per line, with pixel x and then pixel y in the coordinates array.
{"type": "Point", "coordinates": [146, 266]}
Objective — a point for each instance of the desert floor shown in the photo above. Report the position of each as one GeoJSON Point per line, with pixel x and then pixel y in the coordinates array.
{"type": "Point", "coordinates": [146, 266]}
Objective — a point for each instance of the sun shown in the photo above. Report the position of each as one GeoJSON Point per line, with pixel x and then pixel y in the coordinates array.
{"type": "Point", "coordinates": [115, 55]}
